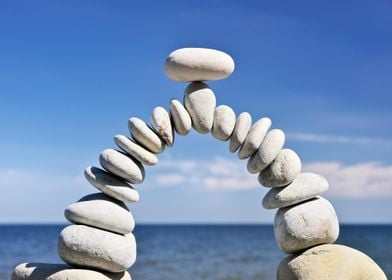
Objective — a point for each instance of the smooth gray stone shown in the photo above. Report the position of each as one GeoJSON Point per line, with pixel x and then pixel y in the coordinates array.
{"type": "Point", "coordinates": [282, 171]}
{"type": "Point", "coordinates": [135, 150]}
{"type": "Point", "coordinates": [200, 102]}
{"type": "Point", "coordinates": [122, 166]}
{"type": "Point", "coordinates": [198, 64]}
{"type": "Point", "coordinates": [111, 185]}
{"type": "Point", "coordinates": [254, 138]}
{"type": "Point", "coordinates": [95, 248]}
{"type": "Point", "coordinates": [100, 211]}
{"type": "Point", "coordinates": [182, 121]}
{"type": "Point", "coordinates": [48, 271]}
{"type": "Point", "coordinates": [241, 130]}
{"type": "Point", "coordinates": [304, 187]}
{"type": "Point", "coordinates": [224, 123]}
{"type": "Point", "coordinates": [160, 120]}
{"type": "Point", "coordinates": [145, 136]}
{"type": "Point", "coordinates": [304, 225]}
{"type": "Point", "coordinates": [267, 152]}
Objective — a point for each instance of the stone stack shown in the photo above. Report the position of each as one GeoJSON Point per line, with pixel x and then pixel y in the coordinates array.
{"type": "Point", "coordinates": [100, 243]}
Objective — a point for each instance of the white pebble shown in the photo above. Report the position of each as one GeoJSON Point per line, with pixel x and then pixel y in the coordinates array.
{"type": "Point", "coordinates": [254, 138]}
{"type": "Point", "coordinates": [135, 150]}
{"type": "Point", "coordinates": [224, 122]}
{"type": "Point", "coordinates": [145, 136]}
{"type": "Point", "coordinates": [181, 120]}
{"type": "Point", "coordinates": [161, 123]}
{"type": "Point", "coordinates": [241, 129]}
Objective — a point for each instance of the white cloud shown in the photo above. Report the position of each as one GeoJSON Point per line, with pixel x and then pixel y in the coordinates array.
{"type": "Point", "coordinates": [171, 179]}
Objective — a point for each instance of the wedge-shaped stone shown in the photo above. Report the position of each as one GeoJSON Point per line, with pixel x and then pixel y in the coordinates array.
{"type": "Point", "coordinates": [145, 136]}
{"type": "Point", "coordinates": [135, 150]}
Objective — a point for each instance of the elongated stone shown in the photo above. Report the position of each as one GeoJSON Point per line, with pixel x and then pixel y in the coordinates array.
{"type": "Point", "coordinates": [100, 211]}
{"type": "Point", "coordinates": [49, 271]}
{"type": "Point", "coordinates": [224, 122]}
{"type": "Point", "coordinates": [267, 152]}
{"type": "Point", "coordinates": [135, 150]}
{"type": "Point", "coordinates": [304, 187]}
{"type": "Point", "coordinates": [304, 225]}
{"type": "Point", "coordinates": [181, 120]}
{"type": "Point", "coordinates": [161, 123]}
{"type": "Point", "coordinates": [200, 102]}
{"type": "Point", "coordinates": [241, 129]}
{"type": "Point", "coordinates": [111, 185]}
{"type": "Point", "coordinates": [122, 165]}
{"type": "Point", "coordinates": [86, 246]}
{"type": "Point", "coordinates": [282, 171]}
{"type": "Point", "coordinates": [198, 64]}
{"type": "Point", "coordinates": [254, 138]}
{"type": "Point", "coordinates": [145, 136]}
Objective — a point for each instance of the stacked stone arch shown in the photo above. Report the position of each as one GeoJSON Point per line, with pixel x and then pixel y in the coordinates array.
{"type": "Point", "coordinates": [100, 245]}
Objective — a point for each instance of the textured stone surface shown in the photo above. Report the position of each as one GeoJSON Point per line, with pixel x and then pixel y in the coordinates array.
{"type": "Point", "coordinates": [181, 119]}
{"type": "Point", "coordinates": [332, 262]}
{"type": "Point", "coordinates": [267, 152]}
{"type": "Point", "coordinates": [200, 103]}
{"type": "Point", "coordinates": [254, 138]}
{"type": "Point", "coordinates": [224, 122]}
{"type": "Point", "coordinates": [304, 225]}
{"type": "Point", "coordinates": [122, 165]}
{"type": "Point", "coordinates": [241, 129]}
{"type": "Point", "coordinates": [282, 171]}
{"type": "Point", "coordinates": [100, 211]}
{"type": "Point", "coordinates": [198, 64]}
{"type": "Point", "coordinates": [160, 121]}
{"type": "Point", "coordinates": [145, 136]}
{"type": "Point", "coordinates": [111, 185]}
{"type": "Point", "coordinates": [46, 271]}
{"type": "Point", "coordinates": [95, 248]}
{"type": "Point", "coordinates": [135, 150]}
{"type": "Point", "coordinates": [304, 187]}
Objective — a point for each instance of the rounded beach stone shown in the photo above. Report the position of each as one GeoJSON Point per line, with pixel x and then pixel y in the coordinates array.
{"type": "Point", "coordinates": [282, 171]}
{"type": "Point", "coordinates": [241, 129]}
{"type": "Point", "coordinates": [111, 185]}
{"type": "Point", "coordinates": [200, 103]}
{"type": "Point", "coordinates": [161, 123]}
{"type": "Point", "coordinates": [224, 122]}
{"type": "Point", "coordinates": [305, 225]}
{"type": "Point", "coordinates": [95, 248]}
{"type": "Point", "coordinates": [135, 150]}
{"type": "Point", "coordinates": [100, 211]}
{"type": "Point", "coordinates": [122, 165]}
{"type": "Point", "coordinates": [330, 261]}
{"type": "Point", "coordinates": [145, 136]}
{"type": "Point", "coordinates": [254, 138]}
{"type": "Point", "coordinates": [198, 64]}
{"type": "Point", "coordinates": [48, 271]}
{"type": "Point", "coordinates": [304, 187]}
{"type": "Point", "coordinates": [181, 120]}
{"type": "Point", "coordinates": [267, 152]}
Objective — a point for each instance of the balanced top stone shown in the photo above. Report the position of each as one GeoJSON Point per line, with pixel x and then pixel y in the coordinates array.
{"type": "Point", "coordinates": [198, 64]}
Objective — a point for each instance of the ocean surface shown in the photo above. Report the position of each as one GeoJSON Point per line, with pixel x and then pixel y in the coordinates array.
{"type": "Point", "coordinates": [230, 252]}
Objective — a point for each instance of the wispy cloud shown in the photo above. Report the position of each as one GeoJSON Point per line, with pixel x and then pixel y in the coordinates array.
{"type": "Point", "coordinates": [322, 138]}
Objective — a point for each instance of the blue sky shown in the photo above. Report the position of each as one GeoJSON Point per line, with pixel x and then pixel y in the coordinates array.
{"type": "Point", "coordinates": [73, 72]}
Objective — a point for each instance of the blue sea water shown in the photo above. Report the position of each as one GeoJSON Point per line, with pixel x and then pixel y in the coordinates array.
{"type": "Point", "coordinates": [230, 252]}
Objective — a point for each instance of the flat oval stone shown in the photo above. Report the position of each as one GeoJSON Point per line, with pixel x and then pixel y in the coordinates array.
{"type": "Point", "coordinates": [267, 152]}
{"type": "Point", "coordinates": [254, 138]}
{"type": "Point", "coordinates": [305, 225]}
{"type": "Point", "coordinates": [224, 122]}
{"type": "Point", "coordinates": [304, 187]}
{"type": "Point", "coordinates": [123, 166]}
{"type": "Point", "coordinates": [95, 248]}
{"type": "Point", "coordinates": [330, 261]}
{"type": "Point", "coordinates": [282, 171]}
{"type": "Point", "coordinates": [48, 271]}
{"type": "Point", "coordinates": [181, 120]}
{"type": "Point", "coordinates": [100, 211]}
{"type": "Point", "coordinates": [135, 150]}
{"type": "Point", "coordinates": [241, 129]}
{"type": "Point", "coordinates": [161, 123]}
{"type": "Point", "coordinates": [200, 103]}
{"type": "Point", "coordinates": [145, 136]}
{"type": "Point", "coordinates": [111, 185]}
{"type": "Point", "coordinates": [198, 64]}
